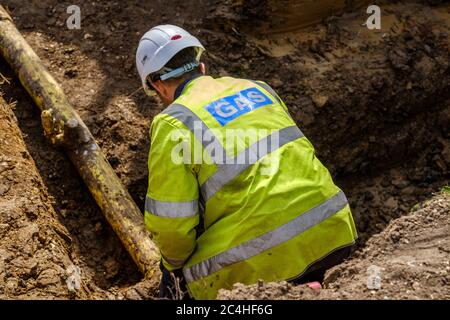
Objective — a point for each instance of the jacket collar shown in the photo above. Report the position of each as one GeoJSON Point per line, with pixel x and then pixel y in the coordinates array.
{"type": "Point", "coordinates": [181, 87]}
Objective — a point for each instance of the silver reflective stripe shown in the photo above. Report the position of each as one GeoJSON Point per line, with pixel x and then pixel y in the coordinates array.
{"type": "Point", "coordinates": [268, 240]}
{"type": "Point", "coordinates": [268, 89]}
{"type": "Point", "coordinates": [174, 262]}
{"type": "Point", "coordinates": [195, 125]}
{"type": "Point", "coordinates": [231, 169]}
{"type": "Point", "coordinates": [273, 93]}
{"type": "Point", "coordinates": [171, 209]}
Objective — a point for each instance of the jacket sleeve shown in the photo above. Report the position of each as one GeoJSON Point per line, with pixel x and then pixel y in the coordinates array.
{"type": "Point", "coordinates": [171, 204]}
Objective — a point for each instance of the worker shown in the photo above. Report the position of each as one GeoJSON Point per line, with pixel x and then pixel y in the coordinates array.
{"type": "Point", "coordinates": [257, 206]}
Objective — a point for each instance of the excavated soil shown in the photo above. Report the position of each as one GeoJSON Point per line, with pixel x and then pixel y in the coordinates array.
{"type": "Point", "coordinates": [375, 103]}
{"type": "Point", "coordinates": [410, 259]}
{"type": "Point", "coordinates": [39, 256]}
{"type": "Point", "coordinates": [34, 252]}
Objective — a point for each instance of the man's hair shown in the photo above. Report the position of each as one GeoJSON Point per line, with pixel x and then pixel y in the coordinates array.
{"type": "Point", "coordinates": [182, 57]}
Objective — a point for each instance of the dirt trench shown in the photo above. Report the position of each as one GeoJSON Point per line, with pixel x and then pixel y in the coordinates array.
{"type": "Point", "coordinates": [410, 259]}
{"type": "Point", "coordinates": [375, 104]}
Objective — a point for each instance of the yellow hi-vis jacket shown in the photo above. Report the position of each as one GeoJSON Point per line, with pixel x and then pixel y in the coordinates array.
{"type": "Point", "coordinates": [228, 151]}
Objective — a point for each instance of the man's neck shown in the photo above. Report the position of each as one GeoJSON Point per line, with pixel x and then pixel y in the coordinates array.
{"type": "Point", "coordinates": [183, 84]}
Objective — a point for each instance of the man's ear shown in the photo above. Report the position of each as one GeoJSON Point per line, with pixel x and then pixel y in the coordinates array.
{"type": "Point", "coordinates": [158, 85]}
{"type": "Point", "coordinates": [165, 91]}
{"type": "Point", "coordinates": [202, 68]}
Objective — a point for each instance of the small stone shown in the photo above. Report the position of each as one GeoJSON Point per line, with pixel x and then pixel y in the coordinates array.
{"type": "Point", "coordinates": [98, 227]}
{"type": "Point", "coordinates": [32, 268]}
{"type": "Point", "coordinates": [69, 50]}
{"type": "Point", "coordinates": [48, 277]}
{"type": "Point", "coordinates": [4, 188]}
{"type": "Point", "coordinates": [11, 285]}
{"type": "Point", "coordinates": [27, 233]}
{"type": "Point", "coordinates": [51, 22]}
{"type": "Point", "coordinates": [3, 228]}
{"type": "Point", "coordinates": [235, 56]}
{"type": "Point", "coordinates": [400, 183]}
{"type": "Point", "coordinates": [391, 203]}
{"type": "Point", "coordinates": [132, 295]}
{"type": "Point", "coordinates": [408, 190]}
{"type": "Point", "coordinates": [6, 165]}
{"type": "Point", "coordinates": [320, 101]}
{"type": "Point", "coordinates": [395, 236]}
{"type": "Point", "coordinates": [276, 83]}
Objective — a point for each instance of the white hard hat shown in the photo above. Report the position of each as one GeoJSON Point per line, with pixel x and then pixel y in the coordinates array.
{"type": "Point", "coordinates": [158, 45]}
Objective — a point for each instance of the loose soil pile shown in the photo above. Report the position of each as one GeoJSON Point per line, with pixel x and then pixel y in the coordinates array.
{"type": "Point", "coordinates": [410, 259]}
{"type": "Point", "coordinates": [375, 103]}
{"type": "Point", "coordinates": [38, 256]}
{"type": "Point", "coordinates": [34, 246]}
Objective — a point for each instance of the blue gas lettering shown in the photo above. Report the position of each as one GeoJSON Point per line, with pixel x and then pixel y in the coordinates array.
{"type": "Point", "coordinates": [224, 109]}
{"type": "Point", "coordinates": [231, 107]}
{"type": "Point", "coordinates": [256, 96]}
